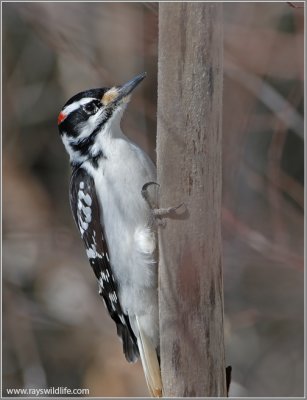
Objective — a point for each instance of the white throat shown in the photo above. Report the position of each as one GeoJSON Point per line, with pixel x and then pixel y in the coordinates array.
{"type": "Point", "coordinates": [110, 131]}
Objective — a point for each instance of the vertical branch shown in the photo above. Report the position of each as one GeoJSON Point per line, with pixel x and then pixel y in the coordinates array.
{"type": "Point", "coordinates": [189, 170]}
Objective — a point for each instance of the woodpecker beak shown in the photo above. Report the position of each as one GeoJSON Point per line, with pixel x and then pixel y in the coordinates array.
{"type": "Point", "coordinates": [116, 94]}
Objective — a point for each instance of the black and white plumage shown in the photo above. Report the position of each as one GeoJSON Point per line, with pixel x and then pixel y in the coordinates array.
{"type": "Point", "coordinates": [115, 221]}
{"type": "Point", "coordinates": [86, 212]}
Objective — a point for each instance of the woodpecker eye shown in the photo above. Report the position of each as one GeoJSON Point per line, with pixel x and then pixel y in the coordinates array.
{"type": "Point", "coordinates": [90, 108]}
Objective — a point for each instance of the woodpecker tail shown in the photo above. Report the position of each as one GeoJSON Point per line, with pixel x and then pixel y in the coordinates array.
{"type": "Point", "coordinates": [150, 363]}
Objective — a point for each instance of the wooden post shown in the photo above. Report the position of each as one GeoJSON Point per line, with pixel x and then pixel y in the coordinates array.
{"type": "Point", "coordinates": [189, 170]}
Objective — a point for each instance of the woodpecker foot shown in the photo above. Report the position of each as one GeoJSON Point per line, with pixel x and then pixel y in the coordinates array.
{"type": "Point", "coordinates": [163, 212]}
{"type": "Point", "coordinates": [158, 213]}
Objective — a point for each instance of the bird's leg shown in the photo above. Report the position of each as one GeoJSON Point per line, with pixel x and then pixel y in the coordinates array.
{"type": "Point", "coordinates": [157, 213]}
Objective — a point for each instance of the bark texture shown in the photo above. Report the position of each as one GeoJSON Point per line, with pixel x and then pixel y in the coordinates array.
{"type": "Point", "coordinates": [189, 170]}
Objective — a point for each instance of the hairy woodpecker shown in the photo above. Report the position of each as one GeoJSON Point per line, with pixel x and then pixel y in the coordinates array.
{"type": "Point", "coordinates": [112, 210]}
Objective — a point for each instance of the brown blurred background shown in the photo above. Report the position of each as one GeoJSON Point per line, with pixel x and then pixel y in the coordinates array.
{"type": "Point", "coordinates": [55, 329]}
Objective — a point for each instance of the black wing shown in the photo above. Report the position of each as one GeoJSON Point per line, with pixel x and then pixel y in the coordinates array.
{"type": "Point", "coordinates": [86, 212]}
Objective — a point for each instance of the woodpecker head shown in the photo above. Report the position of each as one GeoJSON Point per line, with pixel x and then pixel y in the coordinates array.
{"type": "Point", "coordinates": [90, 113]}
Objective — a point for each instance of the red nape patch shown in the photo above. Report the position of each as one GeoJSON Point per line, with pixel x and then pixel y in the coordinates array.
{"type": "Point", "coordinates": [61, 117]}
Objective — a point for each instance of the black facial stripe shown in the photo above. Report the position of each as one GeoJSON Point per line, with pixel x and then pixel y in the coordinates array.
{"type": "Point", "coordinates": [70, 124]}
{"type": "Point", "coordinates": [95, 160]}
{"type": "Point", "coordinates": [83, 145]}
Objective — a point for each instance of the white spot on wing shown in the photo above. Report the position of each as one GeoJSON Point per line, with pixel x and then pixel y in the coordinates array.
{"type": "Point", "coordinates": [88, 200]}
{"type": "Point", "coordinates": [104, 277]}
{"type": "Point", "coordinates": [88, 213]}
{"type": "Point", "coordinates": [91, 253]}
{"type": "Point", "coordinates": [87, 210]}
{"type": "Point", "coordinates": [84, 225]}
{"type": "Point", "coordinates": [113, 297]}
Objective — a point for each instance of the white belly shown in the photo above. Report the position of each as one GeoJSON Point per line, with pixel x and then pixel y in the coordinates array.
{"type": "Point", "coordinates": [132, 242]}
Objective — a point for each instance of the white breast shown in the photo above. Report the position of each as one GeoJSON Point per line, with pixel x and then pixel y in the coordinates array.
{"type": "Point", "coordinates": [126, 218]}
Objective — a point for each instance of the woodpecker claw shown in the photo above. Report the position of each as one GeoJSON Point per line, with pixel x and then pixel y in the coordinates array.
{"type": "Point", "coordinates": [146, 185]}
{"type": "Point", "coordinates": [158, 213]}
{"type": "Point", "coordinates": [145, 194]}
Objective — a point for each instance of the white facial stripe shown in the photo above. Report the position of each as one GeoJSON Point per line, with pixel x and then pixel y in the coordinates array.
{"type": "Point", "coordinates": [76, 104]}
{"type": "Point", "coordinates": [68, 148]}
